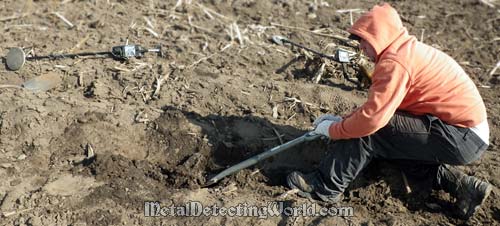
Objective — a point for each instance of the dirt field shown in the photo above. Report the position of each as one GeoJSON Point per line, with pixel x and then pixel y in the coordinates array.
{"type": "Point", "coordinates": [227, 93]}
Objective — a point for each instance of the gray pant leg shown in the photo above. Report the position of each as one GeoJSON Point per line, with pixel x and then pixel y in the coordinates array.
{"type": "Point", "coordinates": [409, 137]}
{"type": "Point", "coordinates": [343, 163]}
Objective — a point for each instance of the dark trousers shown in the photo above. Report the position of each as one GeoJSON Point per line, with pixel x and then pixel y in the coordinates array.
{"type": "Point", "coordinates": [424, 139]}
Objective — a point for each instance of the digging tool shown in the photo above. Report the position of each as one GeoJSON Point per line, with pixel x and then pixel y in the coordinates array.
{"type": "Point", "coordinates": [41, 83]}
{"type": "Point", "coordinates": [342, 56]}
{"type": "Point", "coordinates": [16, 57]}
{"type": "Point", "coordinates": [264, 155]}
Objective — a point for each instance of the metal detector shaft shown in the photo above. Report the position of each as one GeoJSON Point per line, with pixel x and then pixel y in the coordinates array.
{"type": "Point", "coordinates": [60, 56]}
{"type": "Point", "coordinates": [264, 155]}
{"type": "Point", "coordinates": [309, 49]}
{"type": "Point", "coordinates": [342, 56]}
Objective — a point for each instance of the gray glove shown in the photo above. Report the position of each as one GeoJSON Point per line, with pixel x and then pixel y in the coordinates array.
{"type": "Point", "coordinates": [323, 123]}
{"type": "Point", "coordinates": [326, 117]}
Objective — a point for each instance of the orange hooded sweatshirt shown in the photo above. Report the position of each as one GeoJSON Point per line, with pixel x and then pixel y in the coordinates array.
{"type": "Point", "coordinates": [409, 76]}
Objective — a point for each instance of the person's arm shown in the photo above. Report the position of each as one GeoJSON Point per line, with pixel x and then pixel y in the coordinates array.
{"type": "Point", "coordinates": [390, 84]}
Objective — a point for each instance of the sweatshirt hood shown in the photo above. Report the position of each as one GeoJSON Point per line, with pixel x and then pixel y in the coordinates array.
{"type": "Point", "coordinates": [380, 27]}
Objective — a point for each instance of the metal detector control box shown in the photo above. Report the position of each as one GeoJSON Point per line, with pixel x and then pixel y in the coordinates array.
{"type": "Point", "coordinates": [127, 51]}
{"type": "Point", "coordinates": [343, 56]}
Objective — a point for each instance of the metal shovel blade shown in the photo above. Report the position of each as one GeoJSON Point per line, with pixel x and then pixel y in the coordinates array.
{"type": "Point", "coordinates": [280, 40]}
{"type": "Point", "coordinates": [42, 83]}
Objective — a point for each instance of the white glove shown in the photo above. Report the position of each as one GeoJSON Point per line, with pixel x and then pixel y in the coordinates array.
{"type": "Point", "coordinates": [323, 128]}
{"type": "Point", "coordinates": [326, 117]}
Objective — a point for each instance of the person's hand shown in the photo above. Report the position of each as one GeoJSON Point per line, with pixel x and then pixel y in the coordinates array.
{"type": "Point", "coordinates": [323, 128]}
{"type": "Point", "coordinates": [326, 117]}
{"type": "Point", "coordinates": [323, 123]}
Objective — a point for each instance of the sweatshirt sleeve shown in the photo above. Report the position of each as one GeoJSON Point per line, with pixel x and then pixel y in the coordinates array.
{"type": "Point", "coordinates": [390, 83]}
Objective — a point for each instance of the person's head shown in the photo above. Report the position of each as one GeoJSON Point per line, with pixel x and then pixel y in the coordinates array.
{"type": "Point", "coordinates": [365, 46]}
{"type": "Point", "coordinates": [377, 29]}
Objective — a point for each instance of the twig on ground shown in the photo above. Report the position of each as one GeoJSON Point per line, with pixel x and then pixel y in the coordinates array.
{"type": "Point", "coordinates": [295, 113]}
{"type": "Point", "coordinates": [492, 72]}
{"type": "Point", "coordinates": [289, 192]}
{"type": "Point", "coordinates": [238, 33]}
{"type": "Point", "coordinates": [152, 32]}
{"type": "Point", "coordinates": [81, 42]}
{"type": "Point", "coordinates": [494, 39]}
{"type": "Point", "coordinates": [132, 25]}
{"type": "Point", "coordinates": [207, 13]}
{"type": "Point", "coordinates": [211, 11]}
{"type": "Point", "coordinates": [140, 118]}
{"type": "Point", "coordinates": [275, 111]}
{"type": "Point", "coordinates": [124, 91]}
{"type": "Point", "coordinates": [259, 29]}
{"type": "Point", "coordinates": [11, 213]}
{"type": "Point", "coordinates": [159, 82]}
{"type": "Point", "coordinates": [17, 26]}
{"type": "Point", "coordinates": [149, 23]}
{"type": "Point", "coordinates": [295, 100]}
{"type": "Point", "coordinates": [11, 86]}
{"type": "Point", "coordinates": [211, 33]}
{"type": "Point", "coordinates": [319, 73]}
{"type": "Point", "coordinates": [13, 17]}
{"type": "Point", "coordinates": [230, 32]}
{"type": "Point", "coordinates": [140, 65]}
{"type": "Point", "coordinates": [278, 135]}
{"type": "Point", "coordinates": [201, 60]}
{"type": "Point", "coordinates": [350, 18]}
{"type": "Point", "coordinates": [273, 138]}
{"type": "Point", "coordinates": [209, 56]}
{"type": "Point", "coordinates": [405, 181]}
{"type": "Point", "coordinates": [80, 79]}
{"type": "Point", "coordinates": [489, 3]}
{"type": "Point", "coordinates": [281, 51]}
{"type": "Point", "coordinates": [116, 68]}
{"type": "Point", "coordinates": [66, 21]}
{"type": "Point", "coordinates": [330, 46]}
{"type": "Point", "coordinates": [177, 4]}
{"type": "Point", "coordinates": [255, 172]}
{"type": "Point", "coordinates": [230, 188]}
{"type": "Point", "coordinates": [350, 11]}
{"type": "Point", "coordinates": [90, 151]}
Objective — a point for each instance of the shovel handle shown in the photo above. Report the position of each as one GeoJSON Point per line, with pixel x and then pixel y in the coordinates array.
{"type": "Point", "coordinates": [264, 155]}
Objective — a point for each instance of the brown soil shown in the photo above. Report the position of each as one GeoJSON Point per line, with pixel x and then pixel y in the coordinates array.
{"type": "Point", "coordinates": [214, 109]}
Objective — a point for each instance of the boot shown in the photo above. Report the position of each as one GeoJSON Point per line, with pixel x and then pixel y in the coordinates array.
{"type": "Point", "coordinates": [470, 192]}
{"type": "Point", "coordinates": [297, 180]}
{"type": "Point", "coordinates": [308, 184]}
